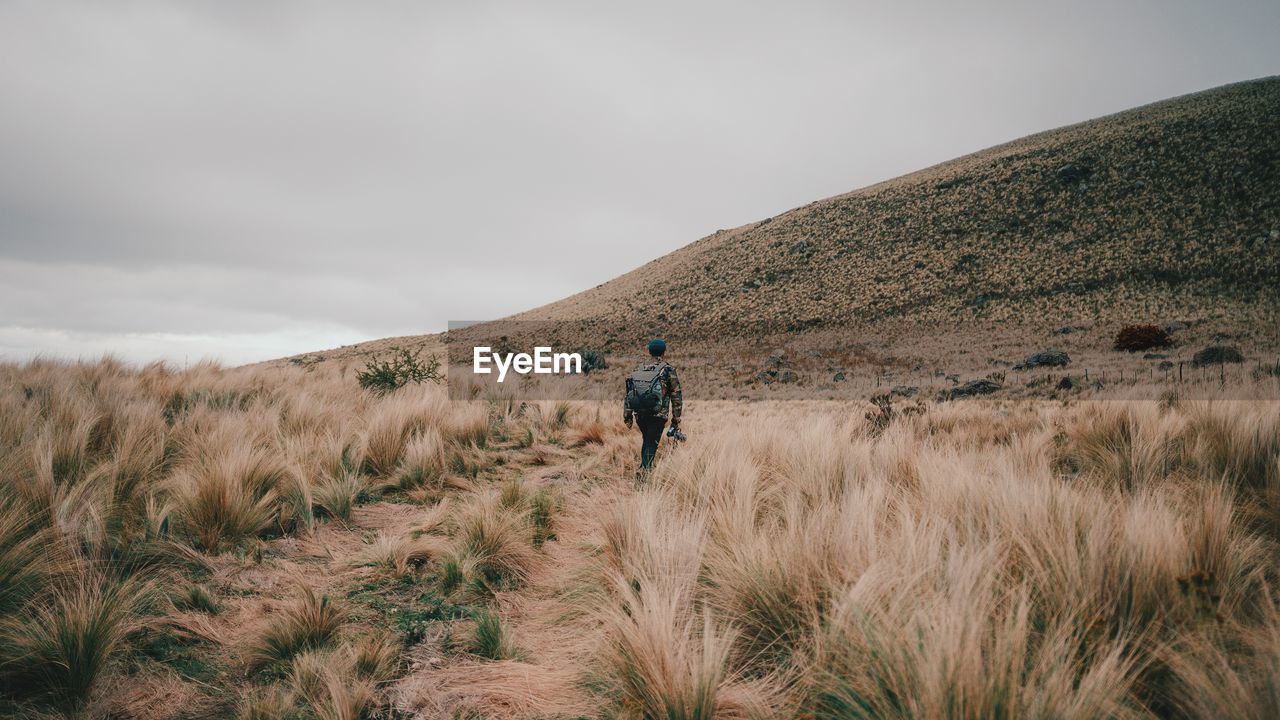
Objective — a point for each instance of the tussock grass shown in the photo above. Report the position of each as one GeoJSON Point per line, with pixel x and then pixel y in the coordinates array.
{"type": "Point", "coordinates": [966, 559]}
{"type": "Point", "coordinates": [398, 556]}
{"type": "Point", "coordinates": [467, 425]}
{"type": "Point", "coordinates": [336, 496]}
{"type": "Point", "coordinates": [543, 506]}
{"type": "Point", "coordinates": [670, 661]}
{"type": "Point", "coordinates": [267, 704]}
{"type": "Point", "coordinates": [309, 622]}
{"type": "Point", "coordinates": [375, 658]}
{"type": "Point", "coordinates": [25, 562]}
{"type": "Point", "coordinates": [491, 639]}
{"type": "Point", "coordinates": [228, 493]}
{"type": "Point", "coordinates": [395, 422]}
{"type": "Point", "coordinates": [57, 651]}
{"type": "Point", "coordinates": [323, 681]}
{"type": "Point", "coordinates": [424, 459]}
{"type": "Point", "coordinates": [1080, 562]}
{"type": "Point", "coordinates": [1235, 674]}
{"type": "Point", "coordinates": [1236, 440]}
{"type": "Point", "coordinates": [196, 598]}
{"type": "Point", "coordinates": [492, 545]}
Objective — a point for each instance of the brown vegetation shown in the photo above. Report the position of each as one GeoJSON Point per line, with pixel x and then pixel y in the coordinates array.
{"type": "Point", "coordinates": [1135, 338]}
{"type": "Point", "coordinates": [165, 537]}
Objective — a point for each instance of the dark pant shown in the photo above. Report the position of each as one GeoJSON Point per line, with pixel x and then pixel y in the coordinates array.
{"type": "Point", "coordinates": [651, 430]}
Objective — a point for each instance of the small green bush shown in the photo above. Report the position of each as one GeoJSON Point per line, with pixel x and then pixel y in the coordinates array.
{"type": "Point", "coordinates": [592, 360]}
{"type": "Point", "coordinates": [400, 367]}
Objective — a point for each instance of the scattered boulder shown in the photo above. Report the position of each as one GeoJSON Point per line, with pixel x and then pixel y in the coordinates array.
{"type": "Point", "coordinates": [1044, 358]}
{"type": "Point", "coordinates": [1065, 383]}
{"type": "Point", "coordinates": [1217, 354]}
{"type": "Point", "coordinates": [971, 388]}
{"type": "Point", "coordinates": [905, 391]}
{"type": "Point", "coordinates": [772, 370]}
{"type": "Point", "coordinates": [1071, 173]}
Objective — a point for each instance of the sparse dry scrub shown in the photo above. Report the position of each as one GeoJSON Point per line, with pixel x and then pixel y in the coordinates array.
{"type": "Point", "coordinates": [965, 559]}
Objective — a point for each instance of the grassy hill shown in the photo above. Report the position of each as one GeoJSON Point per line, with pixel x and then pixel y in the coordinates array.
{"type": "Point", "coordinates": [1164, 209]}
{"type": "Point", "coordinates": [1167, 212]}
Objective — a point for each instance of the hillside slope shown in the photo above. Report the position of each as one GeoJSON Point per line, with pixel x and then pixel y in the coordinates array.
{"type": "Point", "coordinates": [1166, 212]}
{"type": "Point", "coordinates": [1166, 209]}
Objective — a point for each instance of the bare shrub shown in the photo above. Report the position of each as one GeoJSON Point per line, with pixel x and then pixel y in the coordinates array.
{"type": "Point", "coordinates": [1136, 338]}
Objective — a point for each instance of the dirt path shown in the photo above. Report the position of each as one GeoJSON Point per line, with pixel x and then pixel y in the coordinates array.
{"type": "Point", "coordinates": [442, 677]}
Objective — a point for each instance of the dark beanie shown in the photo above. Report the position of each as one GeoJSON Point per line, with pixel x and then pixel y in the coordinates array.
{"type": "Point", "coordinates": [657, 346]}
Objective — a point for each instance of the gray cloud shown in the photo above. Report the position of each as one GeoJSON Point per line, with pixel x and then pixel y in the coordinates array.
{"type": "Point", "coordinates": [252, 179]}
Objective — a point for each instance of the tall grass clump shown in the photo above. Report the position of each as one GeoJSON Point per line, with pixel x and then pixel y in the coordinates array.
{"type": "Point", "coordinates": [1236, 440]}
{"type": "Point", "coordinates": [309, 622]}
{"type": "Point", "coordinates": [26, 560]}
{"type": "Point", "coordinates": [1130, 443]}
{"type": "Point", "coordinates": [1238, 678]}
{"type": "Point", "coordinates": [228, 493]}
{"type": "Point", "coordinates": [667, 660]}
{"type": "Point", "coordinates": [395, 421]}
{"type": "Point", "coordinates": [398, 555]}
{"type": "Point", "coordinates": [336, 496]}
{"type": "Point", "coordinates": [493, 545]}
{"type": "Point", "coordinates": [491, 638]}
{"type": "Point", "coordinates": [57, 650]}
{"type": "Point", "coordinates": [423, 460]}
{"type": "Point", "coordinates": [375, 658]}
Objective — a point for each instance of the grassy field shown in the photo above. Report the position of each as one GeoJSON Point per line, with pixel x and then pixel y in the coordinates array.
{"type": "Point", "coordinates": [276, 542]}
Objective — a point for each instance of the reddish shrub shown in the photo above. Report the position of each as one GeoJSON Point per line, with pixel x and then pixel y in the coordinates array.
{"type": "Point", "coordinates": [1133, 338]}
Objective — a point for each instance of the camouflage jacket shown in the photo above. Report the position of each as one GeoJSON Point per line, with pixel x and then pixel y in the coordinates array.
{"type": "Point", "coordinates": [673, 403]}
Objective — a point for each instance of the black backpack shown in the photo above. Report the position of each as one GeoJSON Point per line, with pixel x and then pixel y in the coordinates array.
{"type": "Point", "coordinates": [647, 389]}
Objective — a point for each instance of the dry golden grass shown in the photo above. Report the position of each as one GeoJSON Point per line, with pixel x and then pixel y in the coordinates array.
{"type": "Point", "coordinates": [307, 549]}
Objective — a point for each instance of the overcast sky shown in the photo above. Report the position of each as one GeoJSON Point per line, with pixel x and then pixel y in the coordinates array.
{"type": "Point", "coordinates": [246, 180]}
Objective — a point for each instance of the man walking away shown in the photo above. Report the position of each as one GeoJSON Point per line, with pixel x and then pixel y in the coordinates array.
{"type": "Point", "coordinates": [653, 393]}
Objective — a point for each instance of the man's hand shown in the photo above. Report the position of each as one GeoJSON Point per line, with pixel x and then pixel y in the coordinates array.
{"type": "Point", "coordinates": [626, 420]}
